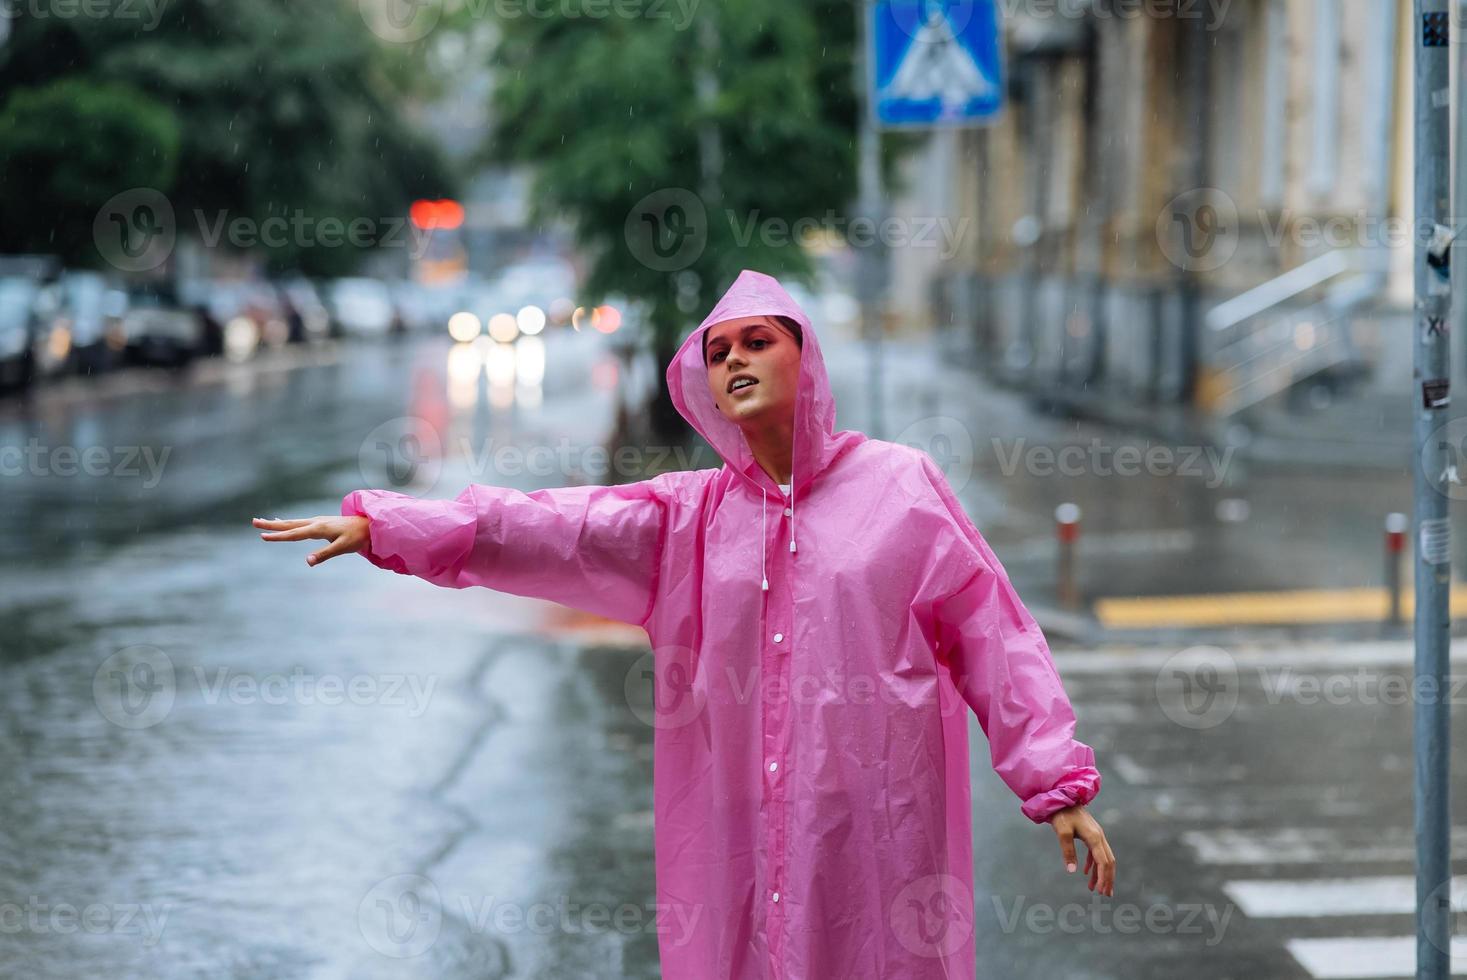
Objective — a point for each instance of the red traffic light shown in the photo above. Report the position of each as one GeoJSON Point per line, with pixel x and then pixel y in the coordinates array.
{"type": "Point", "coordinates": [430, 215]}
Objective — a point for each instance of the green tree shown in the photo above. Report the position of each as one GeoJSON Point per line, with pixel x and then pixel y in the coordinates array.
{"type": "Point", "coordinates": [65, 148]}
{"type": "Point", "coordinates": [742, 117]}
{"type": "Point", "coordinates": [284, 108]}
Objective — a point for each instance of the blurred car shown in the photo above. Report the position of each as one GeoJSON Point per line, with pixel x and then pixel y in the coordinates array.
{"type": "Point", "coordinates": [267, 307]}
{"type": "Point", "coordinates": [18, 296]}
{"type": "Point", "coordinates": [523, 299]}
{"type": "Point", "coordinates": [362, 306]}
{"type": "Point", "coordinates": [538, 280]}
{"type": "Point", "coordinates": [306, 316]}
{"type": "Point", "coordinates": [159, 330]}
{"type": "Point", "coordinates": [244, 314]}
{"type": "Point", "coordinates": [547, 285]}
{"type": "Point", "coordinates": [79, 326]}
{"type": "Point", "coordinates": [413, 305]}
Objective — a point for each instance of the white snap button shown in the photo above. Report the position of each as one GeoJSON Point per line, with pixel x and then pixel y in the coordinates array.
{"type": "Point", "coordinates": [788, 512]}
{"type": "Point", "coordinates": [773, 766]}
{"type": "Point", "coordinates": [778, 637]}
{"type": "Point", "coordinates": [776, 896]}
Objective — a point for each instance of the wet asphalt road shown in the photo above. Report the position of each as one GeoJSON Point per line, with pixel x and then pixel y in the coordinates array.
{"type": "Point", "coordinates": [216, 761]}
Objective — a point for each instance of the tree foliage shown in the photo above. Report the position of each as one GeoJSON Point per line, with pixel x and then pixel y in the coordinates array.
{"type": "Point", "coordinates": [282, 109]}
{"type": "Point", "coordinates": [73, 144]}
{"type": "Point", "coordinates": [608, 110]}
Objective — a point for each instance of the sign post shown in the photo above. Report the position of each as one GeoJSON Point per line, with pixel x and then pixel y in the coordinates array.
{"type": "Point", "coordinates": [922, 64]}
{"type": "Point", "coordinates": [1432, 721]}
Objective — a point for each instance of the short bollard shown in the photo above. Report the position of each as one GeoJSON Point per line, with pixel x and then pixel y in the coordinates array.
{"type": "Point", "coordinates": [1395, 545]}
{"type": "Point", "coordinates": [1067, 529]}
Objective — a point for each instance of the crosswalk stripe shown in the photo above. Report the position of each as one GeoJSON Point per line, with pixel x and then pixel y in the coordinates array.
{"type": "Point", "coordinates": [1364, 958]}
{"type": "Point", "coordinates": [1377, 895]}
{"type": "Point", "coordinates": [1305, 845]}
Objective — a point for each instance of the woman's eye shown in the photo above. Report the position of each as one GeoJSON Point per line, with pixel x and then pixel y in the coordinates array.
{"type": "Point", "coordinates": [717, 357]}
{"type": "Point", "coordinates": [758, 344]}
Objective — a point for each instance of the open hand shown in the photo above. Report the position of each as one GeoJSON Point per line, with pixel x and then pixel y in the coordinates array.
{"type": "Point", "coordinates": [1100, 861]}
{"type": "Point", "coordinates": [346, 534]}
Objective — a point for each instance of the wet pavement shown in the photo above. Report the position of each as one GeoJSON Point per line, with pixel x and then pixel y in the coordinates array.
{"type": "Point", "coordinates": [217, 761]}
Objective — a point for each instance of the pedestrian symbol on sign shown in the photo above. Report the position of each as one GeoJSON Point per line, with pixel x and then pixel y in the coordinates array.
{"type": "Point", "coordinates": [937, 66]}
{"type": "Point", "coordinates": [935, 62]}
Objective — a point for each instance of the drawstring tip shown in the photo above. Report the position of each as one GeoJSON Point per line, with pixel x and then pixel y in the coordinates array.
{"type": "Point", "coordinates": [792, 545]}
{"type": "Point", "coordinates": [766, 585]}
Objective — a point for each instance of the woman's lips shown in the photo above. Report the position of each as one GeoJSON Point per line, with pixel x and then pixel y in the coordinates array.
{"type": "Point", "coordinates": [741, 377]}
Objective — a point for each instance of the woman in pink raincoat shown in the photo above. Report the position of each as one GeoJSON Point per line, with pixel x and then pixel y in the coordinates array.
{"type": "Point", "coordinates": [821, 612]}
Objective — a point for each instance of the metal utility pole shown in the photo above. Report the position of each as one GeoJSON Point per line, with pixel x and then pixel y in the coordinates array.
{"type": "Point", "coordinates": [1432, 722]}
{"type": "Point", "coordinates": [871, 288]}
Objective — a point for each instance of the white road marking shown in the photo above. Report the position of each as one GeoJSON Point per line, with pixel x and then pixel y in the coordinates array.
{"type": "Point", "coordinates": [1130, 770]}
{"type": "Point", "coordinates": [1306, 845]}
{"type": "Point", "coordinates": [1377, 895]}
{"type": "Point", "coordinates": [1360, 959]}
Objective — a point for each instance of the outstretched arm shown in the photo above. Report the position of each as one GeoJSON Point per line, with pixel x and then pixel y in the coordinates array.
{"type": "Point", "coordinates": [594, 548]}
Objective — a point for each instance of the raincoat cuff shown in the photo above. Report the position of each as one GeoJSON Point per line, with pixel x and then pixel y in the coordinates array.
{"type": "Point", "coordinates": [1079, 787]}
{"type": "Point", "coordinates": [362, 503]}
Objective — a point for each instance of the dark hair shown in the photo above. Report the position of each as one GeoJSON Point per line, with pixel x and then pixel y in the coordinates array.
{"type": "Point", "coordinates": [788, 322]}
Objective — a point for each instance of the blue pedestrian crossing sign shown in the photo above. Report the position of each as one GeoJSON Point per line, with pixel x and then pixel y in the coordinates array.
{"type": "Point", "coordinates": [934, 63]}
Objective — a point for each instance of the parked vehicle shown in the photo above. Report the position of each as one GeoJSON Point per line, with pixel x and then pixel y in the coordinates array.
{"type": "Point", "coordinates": [17, 311]}
{"type": "Point", "coordinates": [159, 330]}
{"type": "Point", "coordinates": [363, 306]}
{"type": "Point", "coordinates": [306, 317]}
{"type": "Point", "coordinates": [79, 324]}
{"type": "Point", "coordinates": [412, 304]}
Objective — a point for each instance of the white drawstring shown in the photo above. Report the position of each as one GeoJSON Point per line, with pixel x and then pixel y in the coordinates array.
{"type": "Point", "coordinates": [763, 535]}
{"type": "Point", "coordinates": [792, 504]}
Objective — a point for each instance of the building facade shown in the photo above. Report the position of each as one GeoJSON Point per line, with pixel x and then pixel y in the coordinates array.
{"type": "Point", "coordinates": [1183, 202]}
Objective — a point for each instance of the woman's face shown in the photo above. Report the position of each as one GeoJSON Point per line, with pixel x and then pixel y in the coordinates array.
{"type": "Point", "coordinates": [757, 349]}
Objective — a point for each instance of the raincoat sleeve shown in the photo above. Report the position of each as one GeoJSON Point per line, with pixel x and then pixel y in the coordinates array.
{"type": "Point", "coordinates": [1002, 667]}
{"type": "Point", "coordinates": [594, 548]}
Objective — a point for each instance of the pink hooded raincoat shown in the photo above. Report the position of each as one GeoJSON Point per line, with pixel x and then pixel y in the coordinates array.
{"type": "Point", "coordinates": [811, 791]}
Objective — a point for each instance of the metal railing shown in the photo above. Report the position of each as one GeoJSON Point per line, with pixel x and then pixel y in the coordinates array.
{"type": "Point", "coordinates": [1271, 337]}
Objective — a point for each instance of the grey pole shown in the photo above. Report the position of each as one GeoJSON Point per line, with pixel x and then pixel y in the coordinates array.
{"type": "Point", "coordinates": [872, 258]}
{"type": "Point", "coordinates": [1432, 723]}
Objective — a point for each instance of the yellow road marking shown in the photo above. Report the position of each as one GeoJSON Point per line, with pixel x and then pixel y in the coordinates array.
{"type": "Point", "coordinates": [1241, 608]}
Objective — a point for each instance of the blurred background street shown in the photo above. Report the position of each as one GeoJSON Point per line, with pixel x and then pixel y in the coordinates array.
{"type": "Point", "coordinates": [1137, 276]}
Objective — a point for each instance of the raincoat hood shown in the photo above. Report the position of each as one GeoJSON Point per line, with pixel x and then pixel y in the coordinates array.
{"type": "Point", "coordinates": [816, 442]}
